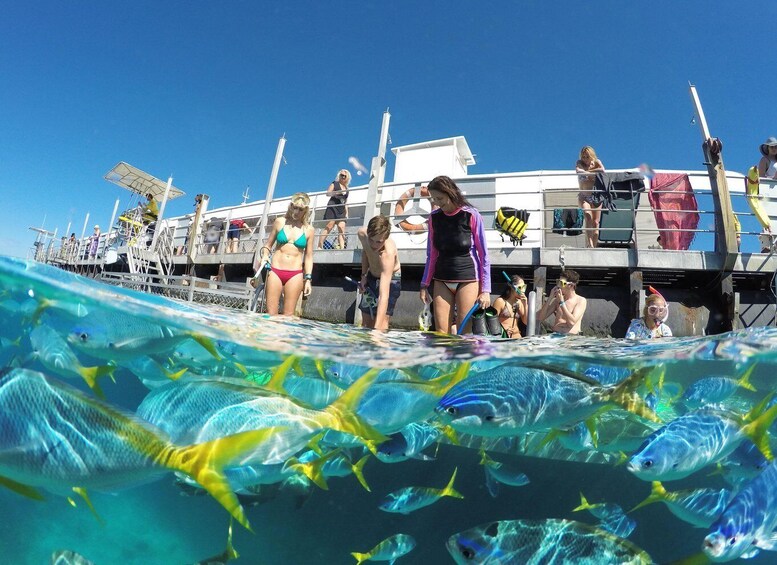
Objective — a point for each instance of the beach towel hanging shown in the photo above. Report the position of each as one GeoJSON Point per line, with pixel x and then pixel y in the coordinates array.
{"type": "Point", "coordinates": [512, 223]}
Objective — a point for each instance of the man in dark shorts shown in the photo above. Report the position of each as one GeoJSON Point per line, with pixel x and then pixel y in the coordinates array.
{"type": "Point", "coordinates": [381, 280]}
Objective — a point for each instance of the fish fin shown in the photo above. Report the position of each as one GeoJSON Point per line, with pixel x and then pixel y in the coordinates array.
{"type": "Point", "coordinates": [422, 457]}
{"type": "Point", "coordinates": [444, 383]}
{"type": "Point", "coordinates": [584, 505]}
{"type": "Point", "coordinates": [20, 488]}
{"type": "Point", "coordinates": [768, 543]}
{"type": "Point", "coordinates": [657, 494]}
{"type": "Point", "coordinates": [695, 559]}
{"type": "Point", "coordinates": [744, 380]}
{"type": "Point", "coordinates": [91, 374]}
{"type": "Point", "coordinates": [240, 367]}
{"type": "Point", "coordinates": [360, 557]}
{"type": "Point", "coordinates": [549, 437]}
{"type": "Point", "coordinates": [625, 396]}
{"type": "Point", "coordinates": [492, 485]}
{"type": "Point", "coordinates": [279, 375]}
{"type": "Point", "coordinates": [80, 491]}
{"type": "Point", "coordinates": [448, 432]}
{"type": "Point", "coordinates": [758, 431]}
{"type": "Point", "coordinates": [207, 343]}
{"type": "Point", "coordinates": [175, 376]}
{"type": "Point", "coordinates": [590, 425]}
{"type": "Point", "coordinates": [358, 472]}
{"type": "Point", "coordinates": [449, 490]}
{"type": "Point", "coordinates": [205, 463]}
{"type": "Point", "coordinates": [343, 410]}
{"type": "Point", "coordinates": [319, 365]}
{"type": "Point", "coordinates": [484, 458]}
{"type": "Point", "coordinates": [230, 551]}
{"type": "Point", "coordinates": [315, 444]}
{"type": "Point", "coordinates": [750, 554]}
{"type": "Point", "coordinates": [312, 470]}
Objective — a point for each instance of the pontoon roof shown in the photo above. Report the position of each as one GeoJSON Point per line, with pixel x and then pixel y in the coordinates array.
{"type": "Point", "coordinates": [140, 182]}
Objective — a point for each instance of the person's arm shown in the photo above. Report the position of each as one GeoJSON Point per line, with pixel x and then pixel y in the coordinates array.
{"type": "Point", "coordinates": [550, 304]}
{"type": "Point", "coordinates": [307, 265]}
{"type": "Point", "coordinates": [484, 263]}
{"type": "Point", "coordinates": [264, 251]}
{"type": "Point", "coordinates": [363, 239]}
{"type": "Point", "coordinates": [522, 307]}
{"type": "Point", "coordinates": [431, 262]}
{"type": "Point", "coordinates": [763, 166]}
{"type": "Point", "coordinates": [576, 313]}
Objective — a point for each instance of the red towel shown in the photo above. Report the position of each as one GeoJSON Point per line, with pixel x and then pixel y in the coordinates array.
{"type": "Point", "coordinates": [675, 208]}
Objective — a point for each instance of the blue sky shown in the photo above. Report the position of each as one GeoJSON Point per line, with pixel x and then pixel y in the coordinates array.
{"type": "Point", "coordinates": [203, 91]}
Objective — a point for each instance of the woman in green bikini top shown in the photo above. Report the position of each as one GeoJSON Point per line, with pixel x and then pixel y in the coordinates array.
{"type": "Point", "coordinates": [291, 265]}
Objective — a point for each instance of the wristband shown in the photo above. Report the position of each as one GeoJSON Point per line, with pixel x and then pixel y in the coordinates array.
{"type": "Point", "coordinates": [307, 277]}
{"type": "Point", "coordinates": [560, 304]}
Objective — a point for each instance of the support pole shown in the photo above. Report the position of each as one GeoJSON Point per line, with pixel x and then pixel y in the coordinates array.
{"type": "Point", "coordinates": [161, 212]}
{"type": "Point", "coordinates": [725, 233]}
{"type": "Point", "coordinates": [377, 172]}
{"type": "Point", "coordinates": [268, 198]}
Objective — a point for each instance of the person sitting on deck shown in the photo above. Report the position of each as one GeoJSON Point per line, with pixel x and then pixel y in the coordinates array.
{"type": "Point", "coordinates": [565, 303]}
{"type": "Point", "coordinates": [652, 324]}
{"type": "Point", "coordinates": [381, 280]}
{"type": "Point", "coordinates": [150, 210]}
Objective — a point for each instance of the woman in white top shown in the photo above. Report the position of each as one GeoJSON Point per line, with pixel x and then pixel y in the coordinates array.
{"type": "Point", "coordinates": [767, 166]}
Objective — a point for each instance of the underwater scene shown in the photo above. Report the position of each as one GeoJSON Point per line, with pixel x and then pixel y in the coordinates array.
{"type": "Point", "coordinates": [138, 429]}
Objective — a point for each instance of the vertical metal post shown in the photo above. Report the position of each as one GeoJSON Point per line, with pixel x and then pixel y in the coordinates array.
{"type": "Point", "coordinates": [161, 212]}
{"type": "Point", "coordinates": [83, 233]}
{"type": "Point", "coordinates": [531, 320]}
{"type": "Point", "coordinates": [725, 234]}
{"type": "Point", "coordinates": [268, 197]}
{"type": "Point", "coordinates": [377, 171]}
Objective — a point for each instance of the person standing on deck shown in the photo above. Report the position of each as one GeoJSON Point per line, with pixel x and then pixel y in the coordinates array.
{"type": "Point", "coordinates": [586, 167]}
{"type": "Point", "coordinates": [458, 271]}
{"type": "Point", "coordinates": [565, 303]}
{"type": "Point", "coordinates": [291, 264]}
{"type": "Point", "coordinates": [381, 280]}
{"type": "Point", "coordinates": [767, 166]}
{"type": "Point", "coordinates": [336, 210]}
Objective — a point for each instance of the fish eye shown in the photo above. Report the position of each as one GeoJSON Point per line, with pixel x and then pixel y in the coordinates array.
{"type": "Point", "coordinates": [489, 418]}
{"type": "Point", "coordinates": [451, 410]}
{"type": "Point", "coordinates": [83, 336]}
{"type": "Point", "coordinates": [466, 552]}
{"type": "Point", "coordinates": [647, 463]}
{"type": "Point", "coordinates": [732, 540]}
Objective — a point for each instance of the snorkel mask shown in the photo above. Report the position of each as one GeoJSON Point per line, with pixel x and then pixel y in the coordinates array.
{"type": "Point", "coordinates": [657, 317]}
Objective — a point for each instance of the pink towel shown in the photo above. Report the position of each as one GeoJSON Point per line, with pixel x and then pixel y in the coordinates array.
{"type": "Point", "coordinates": [675, 208]}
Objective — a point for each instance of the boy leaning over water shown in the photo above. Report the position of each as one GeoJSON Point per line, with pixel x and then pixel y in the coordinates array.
{"type": "Point", "coordinates": [381, 280]}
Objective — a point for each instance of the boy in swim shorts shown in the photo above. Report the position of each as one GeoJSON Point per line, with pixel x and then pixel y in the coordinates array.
{"type": "Point", "coordinates": [381, 280]}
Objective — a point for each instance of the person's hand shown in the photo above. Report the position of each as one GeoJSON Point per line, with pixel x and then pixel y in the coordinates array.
{"type": "Point", "coordinates": [307, 288]}
{"type": "Point", "coordinates": [484, 300]}
{"type": "Point", "coordinates": [362, 285]}
{"type": "Point", "coordinates": [557, 294]}
{"type": "Point", "coordinates": [424, 295]}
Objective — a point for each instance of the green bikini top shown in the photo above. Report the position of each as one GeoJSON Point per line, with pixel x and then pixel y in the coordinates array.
{"type": "Point", "coordinates": [283, 239]}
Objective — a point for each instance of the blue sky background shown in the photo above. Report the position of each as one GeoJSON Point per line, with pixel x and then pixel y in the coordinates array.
{"type": "Point", "coordinates": [203, 91]}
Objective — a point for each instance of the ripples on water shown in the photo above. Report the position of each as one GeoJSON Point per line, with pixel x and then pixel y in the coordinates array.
{"type": "Point", "coordinates": [155, 523]}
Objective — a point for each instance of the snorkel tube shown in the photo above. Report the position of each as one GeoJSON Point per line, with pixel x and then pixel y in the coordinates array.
{"type": "Point", "coordinates": [510, 282]}
{"type": "Point", "coordinates": [660, 321]}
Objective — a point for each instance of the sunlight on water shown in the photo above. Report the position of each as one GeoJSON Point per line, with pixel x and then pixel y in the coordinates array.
{"type": "Point", "coordinates": [78, 331]}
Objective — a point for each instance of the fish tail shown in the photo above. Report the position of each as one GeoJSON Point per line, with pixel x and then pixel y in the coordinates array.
{"type": "Point", "coordinates": [207, 343]}
{"type": "Point", "coordinates": [205, 463]}
{"type": "Point", "coordinates": [341, 414]}
{"type": "Point", "coordinates": [744, 380]}
{"type": "Point", "coordinates": [20, 488]}
{"type": "Point", "coordinates": [358, 472]}
{"type": "Point", "coordinates": [625, 396]}
{"type": "Point", "coordinates": [449, 490]}
{"type": "Point", "coordinates": [279, 375]}
{"type": "Point", "coordinates": [80, 491]}
{"type": "Point", "coordinates": [175, 376]}
{"type": "Point", "coordinates": [584, 505]}
{"type": "Point", "coordinates": [312, 470]}
{"type": "Point", "coordinates": [446, 382]}
{"type": "Point", "coordinates": [758, 431]}
{"type": "Point", "coordinates": [657, 494]}
{"type": "Point", "coordinates": [230, 551]}
{"type": "Point", "coordinates": [590, 425]}
{"type": "Point", "coordinates": [360, 557]}
{"type": "Point", "coordinates": [91, 374]}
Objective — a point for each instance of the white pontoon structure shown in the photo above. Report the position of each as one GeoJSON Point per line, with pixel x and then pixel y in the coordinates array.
{"type": "Point", "coordinates": [646, 239]}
